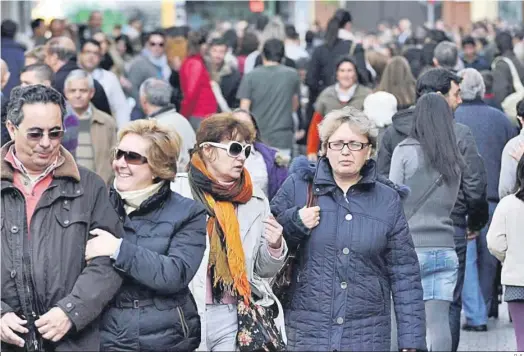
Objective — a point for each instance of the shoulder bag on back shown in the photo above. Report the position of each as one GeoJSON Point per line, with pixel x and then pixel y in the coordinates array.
{"type": "Point", "coordinates": [509, 104]}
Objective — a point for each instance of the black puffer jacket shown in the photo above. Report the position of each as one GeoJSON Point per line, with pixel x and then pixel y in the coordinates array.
{"type": "Point", "coordinates": [472, 198]}
{"type": "Point", "coordinates": [348, 267]}
{"type": "Point", "coordinates": [161, 252]}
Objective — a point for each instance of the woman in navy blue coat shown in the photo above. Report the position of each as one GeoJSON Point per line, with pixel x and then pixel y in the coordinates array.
{"type": "Point", "coordinates": [355, 250]}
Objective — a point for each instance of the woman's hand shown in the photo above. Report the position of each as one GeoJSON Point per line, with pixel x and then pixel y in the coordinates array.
{"type": "Point", "coordinates": [310, 216]}
{"type": "Point", "coordinates": [103, 244]}
{"type": "Point", "coordinates": [273, 232]}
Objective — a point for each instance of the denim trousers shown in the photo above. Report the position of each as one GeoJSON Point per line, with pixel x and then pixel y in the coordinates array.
{"type": "Point", "coordinates": [481, 270]}
{"type": "Point", "coordinates": [456, 307]}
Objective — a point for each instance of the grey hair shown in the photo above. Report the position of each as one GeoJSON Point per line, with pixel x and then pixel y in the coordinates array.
{"type": "Point", "coordinates": [33, 94]}
{"type": "Point", "coordinates": [64, 54]}
{"type": "Point", "coordinates": [446, 53]}
{"type": "Point", "coordinates": [156, 92]}
{"type": "Point", "coordinates": [472, 85]}
{"type": "Point", "coordinates": [347, 115]}
{"type": "Point", "coordinates": [80, 74]}
{"type": "Point", "coordinates": [42, 71]}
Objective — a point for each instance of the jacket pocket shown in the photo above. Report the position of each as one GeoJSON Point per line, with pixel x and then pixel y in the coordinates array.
{"type": "Point", "coordinates": [185, 328]}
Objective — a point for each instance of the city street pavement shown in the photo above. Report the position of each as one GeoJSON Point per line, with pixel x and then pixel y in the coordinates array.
{"type": "Point", "coordinates": [499, 337]}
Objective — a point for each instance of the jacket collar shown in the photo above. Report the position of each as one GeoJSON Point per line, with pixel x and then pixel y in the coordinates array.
{"type": "Point", "coordinates": [476, 101]}
{"type": "Point", "coordinates": [68, 169]}
{"type": "Point", "coordinates": [325, 182]}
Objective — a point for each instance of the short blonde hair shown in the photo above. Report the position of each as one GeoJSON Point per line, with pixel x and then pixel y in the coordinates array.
{"type": "Point", "coordinates": [357, 120]}
{"type": "Point", "coordinates": [164, 149]}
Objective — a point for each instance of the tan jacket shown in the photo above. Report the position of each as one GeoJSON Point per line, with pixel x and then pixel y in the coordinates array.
{"type": "Point", "coordinates": [103, 136]}
{"type": "Point", "coordinates": [506, 239]}
{"type": "Point", "coordinates": [261, 266]}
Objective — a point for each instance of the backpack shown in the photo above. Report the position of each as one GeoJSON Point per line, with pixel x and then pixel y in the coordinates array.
{"type": "Point", "coordinates": [509, 104]}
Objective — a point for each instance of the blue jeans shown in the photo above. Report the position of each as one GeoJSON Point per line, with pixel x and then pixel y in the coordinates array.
{"type": "Point", "coordinates": [438, 271]}
{"type": "Point", "coordinates": [481, 270]}
{"type": "Point", "coordinates": [456, 306]}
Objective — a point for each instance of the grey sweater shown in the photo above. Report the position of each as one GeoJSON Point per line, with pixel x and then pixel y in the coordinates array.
{"type": "Point", "coordinates": [431, 226]}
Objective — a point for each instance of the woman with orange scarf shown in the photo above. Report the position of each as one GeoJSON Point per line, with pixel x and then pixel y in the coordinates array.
{"type": "Point", "coordinates": [245, 245]}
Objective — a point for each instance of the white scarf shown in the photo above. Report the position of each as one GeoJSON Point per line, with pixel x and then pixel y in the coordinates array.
{"type": "Point", "coordinates": [345, 96]}
{"type": "Point", "coordinates": [133, 198]}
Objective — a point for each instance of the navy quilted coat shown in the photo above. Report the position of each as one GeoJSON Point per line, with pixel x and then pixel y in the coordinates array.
{"type": "Point", "coordinates": [359, 255]}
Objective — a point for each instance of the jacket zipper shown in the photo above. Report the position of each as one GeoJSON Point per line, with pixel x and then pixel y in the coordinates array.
{"type": "Point", "coordinates": [185, 328]}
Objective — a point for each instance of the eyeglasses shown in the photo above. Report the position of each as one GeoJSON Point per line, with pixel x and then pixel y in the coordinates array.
{"type": "Point", "coordinates": [352, 145]}
{"type": "Point", "coordinates": [37, 134]}
{"type": "Point", "coordinates": [156, 44]}
{"type": "Point", "coordinates": [130, 157]}
{"type": "Point", "coordinates": [233, 148]}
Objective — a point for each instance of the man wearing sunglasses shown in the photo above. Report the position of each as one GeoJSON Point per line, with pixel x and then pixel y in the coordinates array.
{"type": "Point", "coordinates": [51, 299]}
{"type": "Point", "coordinates": [151, 63]}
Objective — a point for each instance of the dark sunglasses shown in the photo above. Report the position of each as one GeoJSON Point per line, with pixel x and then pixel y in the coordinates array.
{"type": "Point", "coordinates": [158, 44]}
{"type": "Point", "coordinates": [233, 148]}
{"type": "Point", "coordinates": [37, 134]}
{"type": "Point", "coordinates": [130, 157]}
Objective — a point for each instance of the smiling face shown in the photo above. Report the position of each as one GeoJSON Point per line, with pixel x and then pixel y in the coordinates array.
{"type": "Point", "coordinates": [130, 177]}
{"type": "Point", "coordinates": [347, 164]}
{"type": "Point", "coordinates": [224, 168]}
{"type": "Point", "coordinates": [156, 45]}
{"type": "Point", "coordinates": [37, 155]}
{"type": "Point", "coordinates": [346, 75]}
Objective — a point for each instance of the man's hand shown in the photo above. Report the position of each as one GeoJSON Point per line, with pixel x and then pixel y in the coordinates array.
{"type": "Point", "coordinates": [472, 235]}
{"type": "Point", "coordinates": [10, 323]}
{"type": "Point", "coordinates": [54, 324]}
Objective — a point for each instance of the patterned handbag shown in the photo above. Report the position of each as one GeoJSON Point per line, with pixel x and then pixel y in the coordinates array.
{"type": "Point", "coordinates": [256, 329]}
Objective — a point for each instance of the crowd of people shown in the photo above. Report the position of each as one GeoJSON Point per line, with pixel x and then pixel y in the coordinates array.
{"type": "Point", "coordinates": [158, 186]}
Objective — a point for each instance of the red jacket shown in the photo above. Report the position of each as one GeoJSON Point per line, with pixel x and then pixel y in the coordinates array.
{"type": "Point", "coordinates": [199, 100]}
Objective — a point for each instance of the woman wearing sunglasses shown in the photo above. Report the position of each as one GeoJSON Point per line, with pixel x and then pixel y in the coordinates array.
{"type": "Point", "coordinates": [160, 252]}
{"type": "Point", "coordinates": [266, 167]}
{"type": "Point", "coordinates": [355, 248]}
{"type": "Point", "coordinates": [245, 242]}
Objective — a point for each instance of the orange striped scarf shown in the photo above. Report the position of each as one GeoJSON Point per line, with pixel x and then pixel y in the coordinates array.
{"type": "Point", "coordinates": [226, 257]}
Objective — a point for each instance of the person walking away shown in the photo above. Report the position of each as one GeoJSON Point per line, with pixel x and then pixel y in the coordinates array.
{"type": "Point", "coordinates": [273, 108]}
{"type": "Point", "coordinates": [434, 177]}
{"type": "Point", "coordinates": [199, 102]}
{"type": "Point", "coordinates": [13, 55]}
{"type": "Point", "coordinates": [471, 209]}
{"type": "Point", "coordinates": [354, 248]}
{"type": "Point", "coordinates": [506, 242]}
{"type": "Point", "coordinates": [491, 130]}
{"type": "Point", "coordinates": [159, 253]}
{"type": "Point", "coordinates": [155, 96]}
{"type": "Point", "coordinates": [508, 164]}
{"type": "Point", "coordinates": [245, 248]}
{"type": "Point", "coordinates": [51, 298]}
{"type": "Point", "coordinates": [348, 90]}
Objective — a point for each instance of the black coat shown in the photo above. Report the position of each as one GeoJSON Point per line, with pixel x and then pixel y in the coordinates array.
{"type": "Point", "coordinates": [229, 86]}
{"type": "Point", "coordinates": [162, 249]}
{"type": "Point", "coordinates": [99, 99]}
{"type": "Point", "coordinates": [54, 272]}
{"type": "Point", "coordinates": [348, 267]}
{"type": "Point", "coordinates": [472, 197]}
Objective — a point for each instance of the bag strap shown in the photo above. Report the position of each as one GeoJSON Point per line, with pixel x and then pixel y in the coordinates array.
{"type": "Point", "coordinates": [352, 48]}
{"type": "Point", "coordinates": [517, 83]}
{"type": "Point", "coordinates": [425, 196]}
{"type": "Point", "coordinates": [311, 198]}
